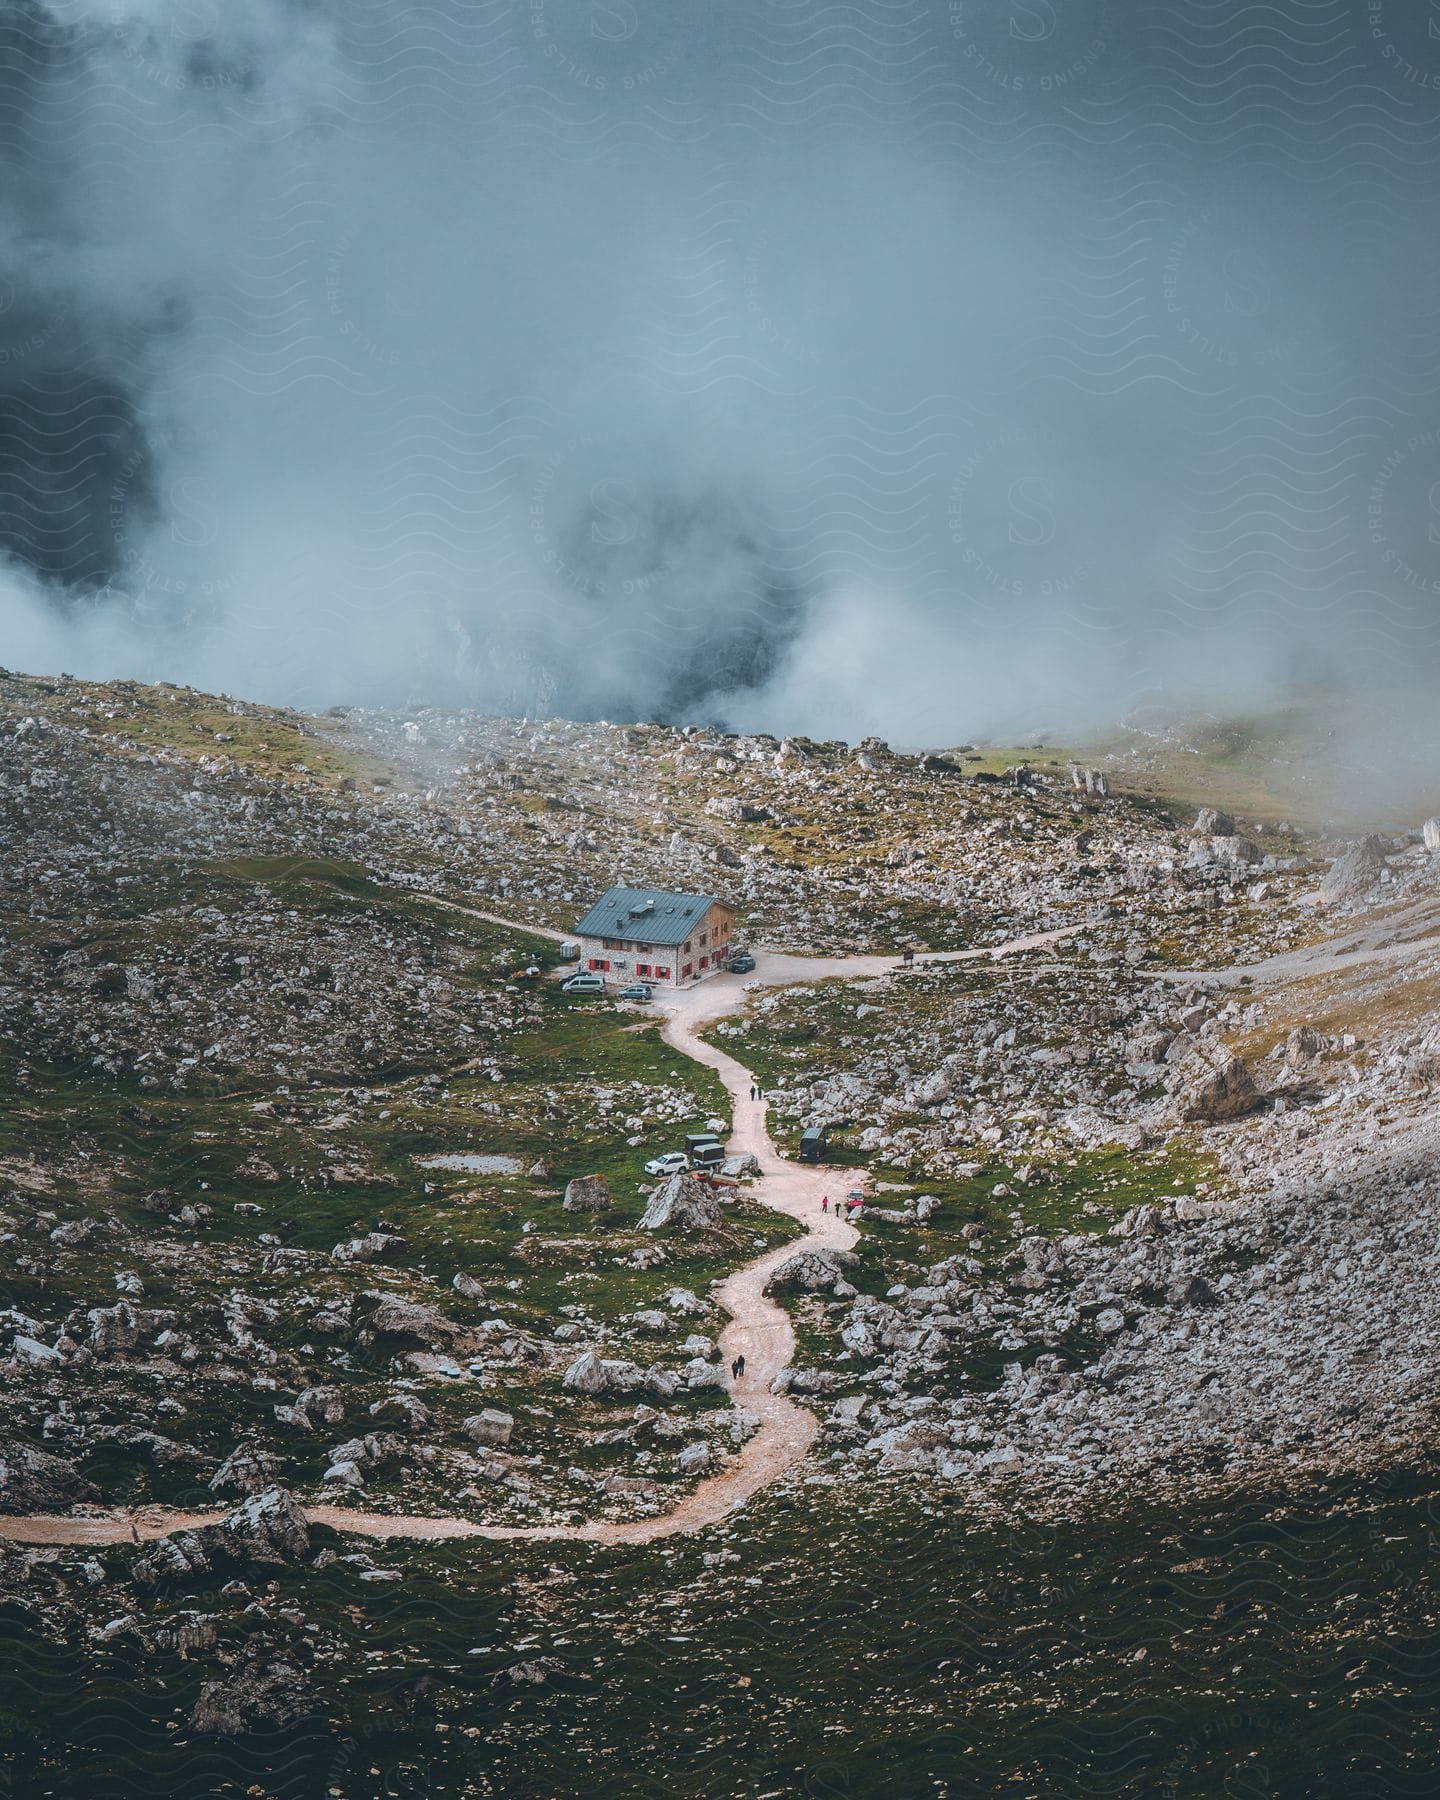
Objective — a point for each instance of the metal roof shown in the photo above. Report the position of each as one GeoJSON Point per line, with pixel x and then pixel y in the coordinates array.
{"type": "Point", "coordinates": [645, 916]}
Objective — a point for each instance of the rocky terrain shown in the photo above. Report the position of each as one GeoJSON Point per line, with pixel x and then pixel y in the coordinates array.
{"type": "Point", "coordinates": [1245, 1283]}
{"type": "Point", "coordinates": [314, 1189]}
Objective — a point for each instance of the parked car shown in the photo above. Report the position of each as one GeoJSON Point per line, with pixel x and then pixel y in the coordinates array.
{"type": "Point", "coordinates": [637, 990]}
{"type": "Point", "coordinates": [671, 1163]}
{"type": "Point", "coordinates": [814, 1146]}
{"type": "Point", "coordinates": [741, 963]}
{"type": "Point", "coordinates": [584, 983]}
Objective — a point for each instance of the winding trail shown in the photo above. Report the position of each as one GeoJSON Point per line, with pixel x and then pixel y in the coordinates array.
{"type": "Point", "coordinates": [759, 1327]}
{"type": "Point", "coordinates": [1401, 935]}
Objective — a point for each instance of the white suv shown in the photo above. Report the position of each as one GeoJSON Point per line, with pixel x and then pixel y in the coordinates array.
{"type": "Point", "coordinates": [671, 1163]}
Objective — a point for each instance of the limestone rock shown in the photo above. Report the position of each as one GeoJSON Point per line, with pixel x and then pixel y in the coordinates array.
{"type": "Point", "coordinates": [694, 1459]}
{"type": "Point", "coordinates": [35, 1481]}
{"type": "Point", "coordinates": [266, 1531]}
{"type": "Point", "coordinates": [408, 1319]}
{"type": "Point", "coordinates": [1213, 1083]}
{"type": "Point", "coordinates": [587, 1193]}
{"type": "Point", "coordinates": [373, 1452]}
{"type": "Point", "coordinates": [406, 1411]}
{"type": "Point", "coordinates": [489, 1426]}
{"type": "Point", "coordinates": [681, 1204]}
{"type": "Point", "coordinates": [320, 1406]}
{"type": "Point", "coordinates": [589, 1374]}
{"type": "Point", "coordinates": [1351, 876]}
{"type": "Point", "coordinates": [264, 1693]}
{"type": "Point", "coordinates": [369, 1248]}
{"type": "Point", "coordinates": [814, 1271]}
{"type": "Point", "coordinates": [113, 1328]}
{"type": "Point", "coordinates": [248, 1469]}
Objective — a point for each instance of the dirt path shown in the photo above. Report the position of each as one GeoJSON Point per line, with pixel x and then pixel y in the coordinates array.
{"type": "Point", "coordinates": [759, 1327]}
{"type": "Point", "coordinates": [1400, 936]}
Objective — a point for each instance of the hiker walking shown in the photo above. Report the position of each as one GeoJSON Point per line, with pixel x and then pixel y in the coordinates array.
{"type": "Point", "coordinates": [737, 1368]}
{"type": "Point", "coordinates": [752, 1090]}
{"type": "Point", "coordinates": [825, 1203]}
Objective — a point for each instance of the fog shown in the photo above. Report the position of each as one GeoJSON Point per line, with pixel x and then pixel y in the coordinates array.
{"type": "Point", "coordinates": [936, 368]}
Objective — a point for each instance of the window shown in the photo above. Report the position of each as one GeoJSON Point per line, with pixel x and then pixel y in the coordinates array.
{"type": "Point", "coordinates": [684, 949]}
{"type": "Point", "coordinates": [596, 963]}
{"type": "Point", "coordinates": [704, 962]}
{"type": "Point", "coordinates": [704, 936]}
{"type": "Point", "coordinates": [642, 968]}
{"type": "Point", "coordinates": [662, 974]}
{"type": "Point", "coordinates": [685, 971]}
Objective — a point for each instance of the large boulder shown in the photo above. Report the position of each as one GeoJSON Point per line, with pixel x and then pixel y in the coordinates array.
{"type": "Point", "coordinates": [934, 1088]}
{"type": "Point", "coordinates": [681, 1204]}
{"type": "Point", "coordinates": [113, 1328]}
{"type": "Point", "coordinates": [264, 1692]}
{"type": "Point", "coordinates": [1211, 850]}
{"type": "Point", "coordinates": [372, 1452]}
{"type": "Point", "coordinates": [405, 1411]}
{"type": "Point", "coordinates": [370, 1248]}
{"type": "Point", "coordinates": [1212, 1084]}
{"type": "Point", "coordinates": [700, 1374]}
{"type": "Point", "coordinates": [267, 1531]}
{"type": "Point", "coordinates": [264, 1532]}
{"type": "Point", "coordinates": [813, 1271]}
{"type": "Point", "coordinates": [320, 1406]}
{"type": "Point", "coordinates": [248, 1469]}
{"type": "Point", "coordinates": [589, 1374]}
{"type": "Point", "coordinates": [1211, 822]}
{"type": "Point", "coordinates": [35, 1481]}
{"type": "Point", "coordinates": [489, 1426]}
{"type": "Point", "coordinates": [395, 1318]}
{"type": "Point", "coordinates": [587, 1193]}
{"type": "Point", "coordinates": [1352, 875]}
{"type": "Point", "coordinates": [1430, 833]}
{"type": "Point", "coordinates": [1302, 1047]}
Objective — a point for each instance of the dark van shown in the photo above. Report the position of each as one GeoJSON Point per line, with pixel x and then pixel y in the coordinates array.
{"type": "Point", "coordinates": [814, 1145]}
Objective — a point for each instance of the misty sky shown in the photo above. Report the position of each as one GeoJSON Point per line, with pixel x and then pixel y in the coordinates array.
{"type": "Point", "coordinates": [929, 367]}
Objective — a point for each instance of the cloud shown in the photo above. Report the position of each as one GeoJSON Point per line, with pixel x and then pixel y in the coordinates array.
{"type": "Point", "coordinates": [912, 372]}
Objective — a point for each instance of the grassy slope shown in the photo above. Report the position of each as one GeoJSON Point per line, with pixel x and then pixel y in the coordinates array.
{"type": "Point", "coordinates": [857, 1647]}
